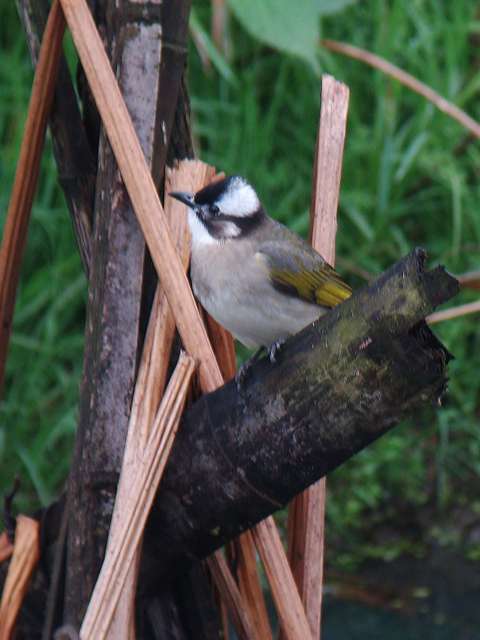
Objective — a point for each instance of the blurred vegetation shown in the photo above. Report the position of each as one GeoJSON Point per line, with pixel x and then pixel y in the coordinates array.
{"type": "Point", "coordinates": [410, 178]}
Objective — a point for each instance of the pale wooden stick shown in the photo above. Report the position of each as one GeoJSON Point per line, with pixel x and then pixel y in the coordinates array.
{"type": "Point", "coordinates": [26, 553]}
{"type": "Point", "coordinates": [408, 80]}
{"type": "Point", "coordinates": [219, 24]}
{"type": "Point", "coordinates": [223, 346]}
{"type": "Point", "coordinates": [231, 596]}
{"type": "Point", "coordinates": [26, 176]}
{"type": "Point", "coordinates": [190, 175]}
{"type": "Point", "coordinates": [141, 189]}
{"type": "Point", "coordinates": [6, 547]}
{"type": "Point", "coordinates": [306, 521]}
{"type": "Point", "coordinates": [328, 167]}
{"type": "Point", "coordinates": [143, 488]}
{"type": "Point", "coordinates": [307, 512]}
{"type": "Point", "coordinates": [470, 280]}
{"type": "Point", "coordinates": [454, 312]}
{"type": "Point", "coordinates": [223, 614]}
{"type": "Point", "coordinates": [149, 386]}
{"type": "Point", "coordinates": [293, 620]}
{"type": "Point", "coordinates": [250, 585]}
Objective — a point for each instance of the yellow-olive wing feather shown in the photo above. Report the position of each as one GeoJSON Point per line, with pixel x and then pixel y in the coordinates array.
{"type": "Point", "coordinates": [296, 269]}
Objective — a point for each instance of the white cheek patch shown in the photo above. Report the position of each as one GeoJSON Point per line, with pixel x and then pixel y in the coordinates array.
{"type": "Point", "coordinates": [240, 200]}
{"type": "Point", "coordinates": [230, 230]}
{"type": "Point", "coordinates": [200, 235]}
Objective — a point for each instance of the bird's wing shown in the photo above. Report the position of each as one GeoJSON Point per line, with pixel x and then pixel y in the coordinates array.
{"type": "Point", "coordinates": [296, 269]}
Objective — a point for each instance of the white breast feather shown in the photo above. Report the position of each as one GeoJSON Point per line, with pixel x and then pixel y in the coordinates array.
{"type": "Point", "coordinates": [200, 235]}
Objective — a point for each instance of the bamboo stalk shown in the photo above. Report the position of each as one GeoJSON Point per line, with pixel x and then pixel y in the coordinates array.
{"type": "Point", "coordinates": [26, 176]}
{"type": "Point", "coordinates": [408, 80]}
{"type": "Point", "coordinates": [138, 181]}
{"type": "Point", "coordinates": [143, 487]}
{"type": "Point", "coordinates": [26, 553]}
{"type": "Point", "coordinates": [307, 511]}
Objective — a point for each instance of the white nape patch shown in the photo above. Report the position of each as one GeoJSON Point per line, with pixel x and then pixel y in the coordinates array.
{"type": "Point", "coordinates": [200, 235]}
{"type": "Point", "coordinates": [239, 200]}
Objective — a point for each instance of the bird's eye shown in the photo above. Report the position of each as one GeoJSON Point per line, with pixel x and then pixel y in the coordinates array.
{"type": "Point", "coordinates": [214, 210]}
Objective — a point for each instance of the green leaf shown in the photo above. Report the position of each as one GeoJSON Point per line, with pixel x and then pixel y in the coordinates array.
{"type": "Point", "coordinates": [328, 7]}
{"type": "Point", "coordinates": [291, 27]}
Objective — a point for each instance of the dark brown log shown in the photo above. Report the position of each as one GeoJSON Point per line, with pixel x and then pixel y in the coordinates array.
{"type": "Point", "coordinates": [75, 161]}
{"type": "Point", "coordinates": [338, 385]}
{"type": "Point", "coordinates": [137, 35]}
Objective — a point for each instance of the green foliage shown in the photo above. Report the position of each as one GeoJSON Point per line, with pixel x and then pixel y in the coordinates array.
{"type": "Point", "coordinates": [287, 26]}
{"type": "Point", "coordinates": [39, 410]}
{"type": "Point", "coordinates": [409, 178]}
{"type": "Point", "coordinates": [290, 27]}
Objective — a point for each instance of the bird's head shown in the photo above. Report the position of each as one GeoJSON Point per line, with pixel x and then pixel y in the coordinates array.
{"type": "Point", "coordinates": [227, 209]}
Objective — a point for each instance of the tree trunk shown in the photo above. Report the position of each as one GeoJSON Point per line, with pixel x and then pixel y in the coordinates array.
{"type": "Point", "coordinates": [75, 161]}
{"type": "Point", "coordinates": [149, 72]}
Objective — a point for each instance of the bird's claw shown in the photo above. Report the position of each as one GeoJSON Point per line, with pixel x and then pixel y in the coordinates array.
{"type": "Point", "coordinates": [244, 369]}
{"type": "Point", "coordinates": [67, 632]}
{"type": "Point", "coordinates": [242, 375]}
{"type": "Point", "coordinates": [273, 350]}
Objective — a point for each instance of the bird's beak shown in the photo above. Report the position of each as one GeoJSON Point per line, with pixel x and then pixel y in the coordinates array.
{"type": "Point", "coordinates": [186, 198]}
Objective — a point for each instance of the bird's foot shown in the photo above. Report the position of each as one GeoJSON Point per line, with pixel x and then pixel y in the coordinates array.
{"type": "Point", "coordinates": [244, 370]}
{"type": "Point", "coordinates": [273, 350]}
{"type": "Point", "coordinates": [67, 632]}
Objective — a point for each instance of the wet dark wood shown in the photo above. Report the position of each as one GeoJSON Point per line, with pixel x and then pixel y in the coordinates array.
{"type": "Point", "coordinates": [75, 160]}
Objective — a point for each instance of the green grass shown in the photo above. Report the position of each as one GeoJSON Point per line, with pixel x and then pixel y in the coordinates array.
{"type": "Point", "coordinates": [38, 411]}
{"type": "Point", "coordinates": [409, 179]}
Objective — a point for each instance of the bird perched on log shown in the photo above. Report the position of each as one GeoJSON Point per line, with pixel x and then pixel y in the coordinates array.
{"type": "Point", "coordinates": [254, 276]}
